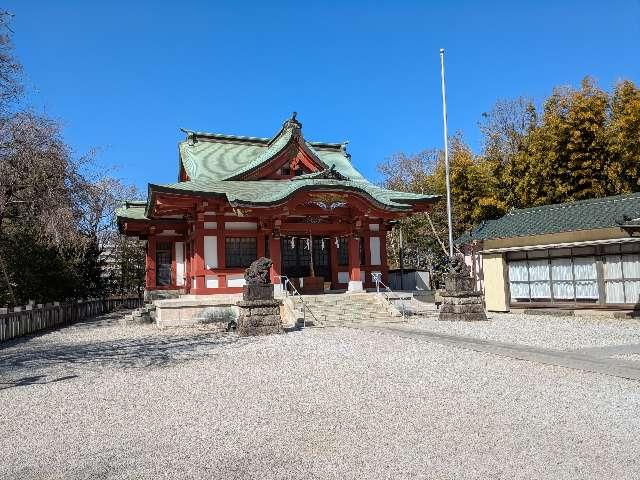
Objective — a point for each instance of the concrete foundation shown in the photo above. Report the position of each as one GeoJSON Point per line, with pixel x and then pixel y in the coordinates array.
{"type": "Point", "coordinates": [214, 310]}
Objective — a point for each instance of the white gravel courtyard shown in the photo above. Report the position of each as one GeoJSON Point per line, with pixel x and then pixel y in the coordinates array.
{"type": "Point", "coordinates": [544, 331]}
{"type": "Point", "coordinates": [104, 401]}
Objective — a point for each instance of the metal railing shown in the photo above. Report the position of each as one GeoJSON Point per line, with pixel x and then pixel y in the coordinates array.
{"type": "Point", "coordinates": [286, 283]}
{"type": "Point", "coordinates": [387, 292]}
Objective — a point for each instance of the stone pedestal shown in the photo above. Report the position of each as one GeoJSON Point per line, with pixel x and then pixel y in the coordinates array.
{"type": "Point", "coordinates": [259, 317]}
{"type": "Point", "coordinates": [459, 301]}
{"type": "Point", "coordinates": [257, 292]}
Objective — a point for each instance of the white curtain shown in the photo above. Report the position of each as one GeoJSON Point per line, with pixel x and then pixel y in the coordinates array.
{"type": "Point", "coordinates": [538, 270]}
{"type": "Point", "coordinates": [563, 290]}
{"type": "Point", "coordinates": [540, 290]}
{"type": "Point", "coordinates": [614, 292]}
{"type": "Point", "coordinates": [631, 266]}
{"type": "Point", "coordinates": [612, 267]}
{"type": "Point", "coordinates": [584, 268]}
{"type": "Point", "coordinates": [587, 289]}
{"type": "Point", "coordinates": [539, 277]}
{"type": "Point", "coordinates": [632, 291]}
{"type": "Point", "coordinates": [561, 269]}
{"type": "Point", "coordinates": [519, 290]}
{"type": "Point", "coordinates": [518, 271]}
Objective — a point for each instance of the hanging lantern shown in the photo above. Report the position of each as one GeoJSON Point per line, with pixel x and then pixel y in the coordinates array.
{"type": "Point", "coordinates": [322, 244]}
{"type": "Point", "coordinates": [307, 242]}
{"type": "Point", "coordinates": [293, 243]}
{"type": "Point", "coordinates": [337, 243]}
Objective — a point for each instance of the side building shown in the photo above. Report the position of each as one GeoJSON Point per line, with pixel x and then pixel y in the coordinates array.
{"type": "Point", "coordinates": [580, 255]}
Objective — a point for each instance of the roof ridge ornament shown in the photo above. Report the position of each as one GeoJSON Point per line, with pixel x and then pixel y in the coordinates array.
{"type": "Point", "coordinates": [292, 122]}
{"type": "Point", "coordinates": [192, 137]}
{"type": "Point", "coordinates": [331, 174]}
{"type": "Point", "coordinates": [343, 147]}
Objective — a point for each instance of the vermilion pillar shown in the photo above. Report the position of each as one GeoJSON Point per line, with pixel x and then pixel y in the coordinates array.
{"type": "Point", "coordinates": [276, 259]}
{"type": "Point", "coordinates": [150, 279]}
{"type": "Point", "coordinates": [198, 254]}
{"type": "Point", "coordinates": [354, 264]}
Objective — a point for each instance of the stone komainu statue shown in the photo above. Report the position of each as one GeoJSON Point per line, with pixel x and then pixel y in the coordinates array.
{"type": "Point", "coordinates": [458, 266]}
{"type": "Point", "coordinates": [258, 272]}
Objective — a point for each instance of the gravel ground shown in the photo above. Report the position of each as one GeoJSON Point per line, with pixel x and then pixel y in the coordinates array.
{"type": "Point", "coordinates": [545, 331]}
{"type": "Point", "coordinates": [103, 401]}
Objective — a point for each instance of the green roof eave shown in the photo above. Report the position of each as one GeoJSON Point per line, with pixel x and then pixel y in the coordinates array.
{"type": "Point", "coordinates": [272, 192]}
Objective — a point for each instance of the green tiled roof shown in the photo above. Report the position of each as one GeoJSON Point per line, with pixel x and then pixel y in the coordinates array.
{"type": "Point", "coordinates": [266, 192]}
{"type": "Point", "coordinates": [564, 217]}
{"type": "Point", "coordinates": [214, 164]}
{"type": "Point", "coordinates": [225, 157]}
{"type": "Point", "coordinates": [133, 210]}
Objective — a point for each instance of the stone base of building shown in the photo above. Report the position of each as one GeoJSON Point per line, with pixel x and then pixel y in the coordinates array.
{"type": "Point", "coordinates": [152, 295]}
{"type": "Point", "coordinates": [259, 317]}
{"type": "Point", "coordinates": [463, 306]}
{"type": "Point", "coordinates": [355, 286]}
{"type": "Point", "coordinates": [215, 311]}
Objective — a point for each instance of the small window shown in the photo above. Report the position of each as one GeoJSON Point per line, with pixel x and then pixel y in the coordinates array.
{"type": "Point", "coordinates": [560, 252]}
{"type": "Point", "coordinates": [516, 255]}
{"type": "Point", "coordinates": [630, 248]}
{"type": "Point", "coordinates": [584, 251]}
{"type": "Point", "coordinates": [239, 251]}
{"type": "Point", "coordinates": [615, 248]}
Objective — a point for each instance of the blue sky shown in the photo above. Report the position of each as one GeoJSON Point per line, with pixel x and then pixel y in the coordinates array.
{"type": "Point", "coordinates": [125, 76]}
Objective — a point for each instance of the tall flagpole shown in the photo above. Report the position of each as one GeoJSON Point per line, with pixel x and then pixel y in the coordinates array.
{"type": "Point", "coordinates": [446, 153]}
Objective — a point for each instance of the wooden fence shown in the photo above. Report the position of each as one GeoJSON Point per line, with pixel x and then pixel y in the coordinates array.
{"type": "Point", "coordinates": [18, 323]}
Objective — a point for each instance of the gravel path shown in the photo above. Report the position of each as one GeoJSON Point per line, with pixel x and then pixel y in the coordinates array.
{"type": "Point", "coordinates": [102, 401]}
{"type": "Point", "coordinates": [545, 331]}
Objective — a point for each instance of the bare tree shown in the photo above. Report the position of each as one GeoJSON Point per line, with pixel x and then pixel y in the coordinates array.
{"type": "Point", "coordinates": [37, 180]}
{"type": "Point", "coordinates": [10, 68]}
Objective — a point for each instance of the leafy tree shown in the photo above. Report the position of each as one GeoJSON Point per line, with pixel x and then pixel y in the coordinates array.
{"type": "Point", "coordinates": [585, 143]}
{"type": "Point", "coordinates": [623, 138]}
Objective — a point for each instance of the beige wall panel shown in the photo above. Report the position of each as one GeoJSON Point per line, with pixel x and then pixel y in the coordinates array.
{"type": "Point", "coordinates": [496, 294]}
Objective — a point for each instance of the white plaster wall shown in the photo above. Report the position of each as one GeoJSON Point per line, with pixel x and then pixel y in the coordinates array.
{"type": "Point", "coordinates": [179, 263]}
{"type": "Point", "coordinates": [211, 225]}
{"type": "Point", "coordinates": [374, 245]}
{"type": "Point", "coordinates": [343, 277]}
{"type": "Point", "coordinates": [211, 251]}
{"type": "Point", "coordinates": [211, 281]}
{"type": "Point", "coordinates": [235, 280]}
{"type": "Point", "coordinates": [374, 227]}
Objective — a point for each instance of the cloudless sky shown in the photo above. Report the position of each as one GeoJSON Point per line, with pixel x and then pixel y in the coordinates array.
{"type": "Point", "coordinates": [124, 76]}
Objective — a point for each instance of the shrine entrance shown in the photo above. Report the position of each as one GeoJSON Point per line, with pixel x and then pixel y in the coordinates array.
{"type": "Point", "coordinates": [296, 257]}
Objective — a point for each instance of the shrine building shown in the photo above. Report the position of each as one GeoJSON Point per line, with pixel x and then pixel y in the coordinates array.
{"type": "Point", "coordinates": [300, 203]}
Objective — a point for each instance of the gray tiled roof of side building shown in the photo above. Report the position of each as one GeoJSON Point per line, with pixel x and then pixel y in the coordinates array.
{"type": "Point", "coordinates": [590, 214]}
